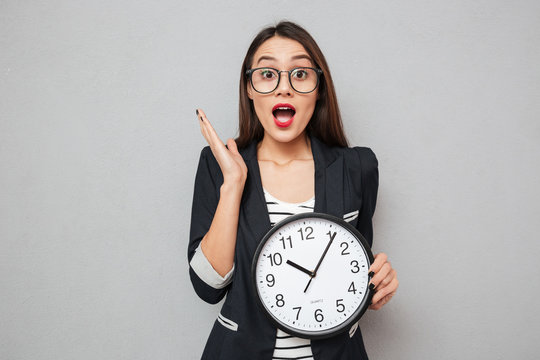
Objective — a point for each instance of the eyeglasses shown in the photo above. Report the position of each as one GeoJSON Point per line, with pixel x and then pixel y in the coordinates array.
{"type": "Point", "coordinates": [264, 80]}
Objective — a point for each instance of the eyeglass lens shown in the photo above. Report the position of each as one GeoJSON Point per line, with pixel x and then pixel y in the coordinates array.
{"type": "Point", "coordinates": [266, 80]}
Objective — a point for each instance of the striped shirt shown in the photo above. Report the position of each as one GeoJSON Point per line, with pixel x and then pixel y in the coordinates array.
{"type": "Point", "coordinates": [287, 346]}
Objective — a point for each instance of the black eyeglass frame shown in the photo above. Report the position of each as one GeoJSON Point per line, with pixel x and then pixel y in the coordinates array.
{"type": "Point", "coordinates": [249, 73]}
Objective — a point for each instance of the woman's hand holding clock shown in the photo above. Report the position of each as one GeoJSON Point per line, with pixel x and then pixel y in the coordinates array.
{"type": "Point", "coordinates": [384, 281]}
{"type": "Point", "coordinates": [230, 161]}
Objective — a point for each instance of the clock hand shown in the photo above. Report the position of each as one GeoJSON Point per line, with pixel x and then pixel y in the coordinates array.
{"type": "Point", "coordinates": [309, 282]}
{"type": "Point", "coordinates": [324, 253]}
{"type": "Point", "coordinates": [303, 269]}
{"type": "Point", "coordinates": [321, 259]}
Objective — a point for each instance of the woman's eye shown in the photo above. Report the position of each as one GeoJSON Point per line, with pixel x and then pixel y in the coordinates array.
{"type": "Point", "coordinates": [267, 74]}
{"type": "Point", "coordinates": [300, 74]}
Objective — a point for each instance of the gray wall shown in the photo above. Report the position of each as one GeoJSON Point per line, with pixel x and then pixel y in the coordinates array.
{"type": "Point", "coordinates": [99, 144]}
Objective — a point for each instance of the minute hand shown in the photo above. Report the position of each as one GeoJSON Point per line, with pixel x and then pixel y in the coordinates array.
{"type": "Point", "coordinates": [321, 259]}
{"type": "Point", "coordinates": [332, 236]}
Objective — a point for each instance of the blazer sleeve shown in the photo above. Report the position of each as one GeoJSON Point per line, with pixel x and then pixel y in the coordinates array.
{"type": "Point", "coordinates": [208, 181]}
{"type": "Point", "coordinates": [370, 185]}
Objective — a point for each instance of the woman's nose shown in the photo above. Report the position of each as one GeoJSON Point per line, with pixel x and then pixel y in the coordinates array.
{"type": "Point", "coordinates": [284, 87]}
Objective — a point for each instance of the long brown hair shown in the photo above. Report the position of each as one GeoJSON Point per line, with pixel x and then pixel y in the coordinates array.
{"type": "Point", "coordinates": [325, 124]}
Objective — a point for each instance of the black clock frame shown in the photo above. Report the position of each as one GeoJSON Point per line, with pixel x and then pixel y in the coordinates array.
{"type": "Point", "coordinates": [322, 334]}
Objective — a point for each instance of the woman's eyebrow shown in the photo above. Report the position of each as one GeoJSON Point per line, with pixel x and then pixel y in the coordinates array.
{"type": "Point", "coordinates": [296, 57]}
{"type": "Point", "coordinates": [302, 56]}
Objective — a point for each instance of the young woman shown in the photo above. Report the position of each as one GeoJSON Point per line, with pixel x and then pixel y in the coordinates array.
{"type": "Point", "coordinates": [290, 147]}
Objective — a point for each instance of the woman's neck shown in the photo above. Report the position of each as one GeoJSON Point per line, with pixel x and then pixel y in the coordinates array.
{"type": "Point", "coordinates": [281, 153]}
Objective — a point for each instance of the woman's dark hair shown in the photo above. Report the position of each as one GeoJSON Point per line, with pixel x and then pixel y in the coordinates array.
{"type": "Point", "coordinates": [325, 124]}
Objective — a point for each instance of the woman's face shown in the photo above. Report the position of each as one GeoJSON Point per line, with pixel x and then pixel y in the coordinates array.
{"type": "Point", "coordinates": [280, 124]}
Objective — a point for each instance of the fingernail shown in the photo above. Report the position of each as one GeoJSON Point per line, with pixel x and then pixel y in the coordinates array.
{"type": "Point", "coordinates": [371, 273]}
{"type": "Point", "coordinates": [371, 286]}
{"type": "Point", "coordinates": [201, 118]}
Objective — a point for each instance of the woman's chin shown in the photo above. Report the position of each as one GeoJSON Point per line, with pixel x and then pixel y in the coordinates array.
{"type": "Point", "coordinates": [283, 136]}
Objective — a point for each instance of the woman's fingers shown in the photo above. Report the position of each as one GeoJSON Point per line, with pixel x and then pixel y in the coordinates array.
{"type": "Point", "coordinates": [391, 275]}
{"type": "Point", "coordinates": [218, 147]}
{"type": "Point", "coordinates": [384, 281]}
{"type": "Point", "coordinates": [380, 259]}
{"type": "Point", "coordinates": [383, 295]}
{"type": "Point", "coordinates": [380, 275]}
{"type": "Point", "coordinates": [208, 131]}
{"type": "Point", "coordinates": [229, 159]}
{"type": "Point", "coordinates": [375, 268]}
{"type": "Point", "coordinates": [203, 126]}
{"type": "Point", "coordinates": [204, 132]}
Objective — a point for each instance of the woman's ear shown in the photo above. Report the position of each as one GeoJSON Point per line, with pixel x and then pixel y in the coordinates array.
{"type": "Point", "coordinates": [249, 91]}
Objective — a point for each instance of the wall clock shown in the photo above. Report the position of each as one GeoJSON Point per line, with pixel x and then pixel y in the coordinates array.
{"type": "Point", "coordinates": [310, 274]}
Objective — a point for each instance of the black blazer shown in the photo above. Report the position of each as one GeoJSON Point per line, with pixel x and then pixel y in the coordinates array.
{"type": "Point", "coordinates": [346, 183]}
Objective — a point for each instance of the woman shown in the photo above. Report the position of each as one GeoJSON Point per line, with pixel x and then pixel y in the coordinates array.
{"type": "Point", "coordinates": [290, 148]}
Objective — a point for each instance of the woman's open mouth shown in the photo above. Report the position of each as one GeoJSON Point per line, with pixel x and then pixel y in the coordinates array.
{"type": "Point", "coordinates": [283, 114]}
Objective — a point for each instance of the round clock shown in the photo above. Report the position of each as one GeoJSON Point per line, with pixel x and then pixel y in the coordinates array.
{"type": "Point", "coordinates": [310, 274]}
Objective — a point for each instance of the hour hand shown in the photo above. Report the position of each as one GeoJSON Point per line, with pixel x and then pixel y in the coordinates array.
{"type": "Point", "coordinates": [301, 268]}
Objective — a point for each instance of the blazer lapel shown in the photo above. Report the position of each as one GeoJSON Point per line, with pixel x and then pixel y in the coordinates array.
{"type": "Point", "coordinates": [254, 203]}
{"type": "Point", "coordinates": [328, 179]}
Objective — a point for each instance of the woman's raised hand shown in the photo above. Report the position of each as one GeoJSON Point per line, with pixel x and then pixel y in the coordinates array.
{"type": "Point", "coordinates": [230, 161]}
{"type": "Point", "coordinates": [384, 281]}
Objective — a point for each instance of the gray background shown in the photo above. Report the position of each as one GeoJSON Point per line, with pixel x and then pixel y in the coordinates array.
{"type": "Point", "coordinates": [99, 145]}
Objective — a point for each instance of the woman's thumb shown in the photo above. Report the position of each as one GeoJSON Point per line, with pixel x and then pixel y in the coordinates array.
{"type": "Point", "coordinates": [231, 144]}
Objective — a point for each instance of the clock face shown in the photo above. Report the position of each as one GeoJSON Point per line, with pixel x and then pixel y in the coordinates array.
{"type": "Point", "coordinates": [311, 275]}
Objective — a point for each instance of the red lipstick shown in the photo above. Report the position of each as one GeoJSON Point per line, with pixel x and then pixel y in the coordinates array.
{"type": "Point", "coordinates": [283, 114]}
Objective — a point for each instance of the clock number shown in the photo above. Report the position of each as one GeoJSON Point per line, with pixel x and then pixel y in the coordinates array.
{"type": "Point", "coordinates": [298, 313]}
{"type": "Point", "coordinates": [318, 315]}
{"type": "Point", "coordinates": [345, 246]}
{"type": "Point", "coordinates": [340, 306]}
{"type": "Point", "coordinates": [270, 279]}
{"type": "Point", "coordinates": [275, 259]}
{"type": "Point", "coordinates": [355, 264]}
{"type": "Point", "coordinates": [283, 242]}
{"type": "Point", "coordinates": [352, 288]}
{"type": "Point", "coordinates": [279, 300]}
{"type": "Point", "coordinates": [309, 232]}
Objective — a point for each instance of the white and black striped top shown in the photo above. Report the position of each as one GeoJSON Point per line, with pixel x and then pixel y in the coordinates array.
{"type": "Point", "coordinates": [287, 346]}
